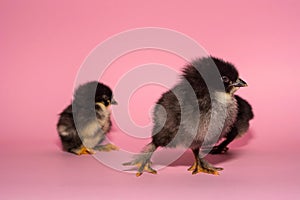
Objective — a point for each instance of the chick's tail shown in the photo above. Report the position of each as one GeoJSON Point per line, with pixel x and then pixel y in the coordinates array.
{"type": "Point", "coordinates": [143, 160]}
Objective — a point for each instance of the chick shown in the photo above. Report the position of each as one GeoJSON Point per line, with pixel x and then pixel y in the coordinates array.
{"type": "Point", "coordinates": [176, 119]}
{"type": "Point", "coordinates": [83, 125]}
{"type": "Point", "coordinates": [239, 128]}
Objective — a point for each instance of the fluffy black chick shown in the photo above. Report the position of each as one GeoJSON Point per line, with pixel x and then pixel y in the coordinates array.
{"type": "Point", "coordinates": [182, 115]}
{"type": "Point", "coordinates": [83, 125]}
{"type": "Point", "coordinates": [239, 128]}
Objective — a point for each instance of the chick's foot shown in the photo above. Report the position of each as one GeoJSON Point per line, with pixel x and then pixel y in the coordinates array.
{"type": "Point", "coordinates": [82, 150]}
{"type": "Point", "coordinates": [143, 160]}
{"type": "Point", "coordinates": [142, 166]}
{"type": "Point", "coordinates": [200, 165]}
{"type": "Point", "coordinates": [145, 168]}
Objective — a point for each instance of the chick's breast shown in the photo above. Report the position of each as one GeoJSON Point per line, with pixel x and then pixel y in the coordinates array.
{"type": "Point", "coordinates": [183, 121]}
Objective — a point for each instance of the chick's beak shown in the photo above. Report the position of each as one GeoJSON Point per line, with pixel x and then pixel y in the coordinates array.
{"type": "Point", "coordinates": [239, 83]}
{"type": "Point", "coordinates": [114, 102]}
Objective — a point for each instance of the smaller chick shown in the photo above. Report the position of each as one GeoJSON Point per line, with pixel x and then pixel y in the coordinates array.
{"type": "Point", "coordinates": [239, 128]}
{"type": "Point", "coordinates": [83, 125]}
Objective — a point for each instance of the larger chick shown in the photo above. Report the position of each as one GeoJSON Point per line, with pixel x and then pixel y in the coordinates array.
{"type": "Point", "coordinates": [239, 128]}
{"type": "Point", "coordinates": [176, 115]}
{"type": "Point", "coordinates": [83, 125]}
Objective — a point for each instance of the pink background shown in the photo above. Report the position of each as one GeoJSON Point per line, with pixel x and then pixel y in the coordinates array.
{"type": "Point", "coordinates": [43, 44]}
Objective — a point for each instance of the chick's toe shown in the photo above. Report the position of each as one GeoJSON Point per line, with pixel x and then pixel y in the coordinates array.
{"type": "Point", "coordinates": [82, 150]}
{"type": "Point", "coordinates": [106, 147]}
{"type": "Point", "coordinates": [204, 167]}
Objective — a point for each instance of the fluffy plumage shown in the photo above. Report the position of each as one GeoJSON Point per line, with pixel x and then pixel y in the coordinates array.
{"type": "Point", "coordinates": [176, 118]}
{"type": "Point", "coordinates": [239, 128]}
{"type": "Point", "coordinates": [83, 125]}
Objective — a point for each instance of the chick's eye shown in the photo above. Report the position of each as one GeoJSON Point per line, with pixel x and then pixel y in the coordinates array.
{"type": "Point", "coordinates": [225, 79]}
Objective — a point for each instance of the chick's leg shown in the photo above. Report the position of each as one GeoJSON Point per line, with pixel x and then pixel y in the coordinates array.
{"type": "Point", "coordinates": [222, 148]}
{"type": "Point", "coordinates": [82, 150]}
{"type": "Point", "coordinates": [106, 147]}
{"type": "Point", "coordinates": [142, 161]}
{"type": "Point", "coordinates": [200, 165]}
